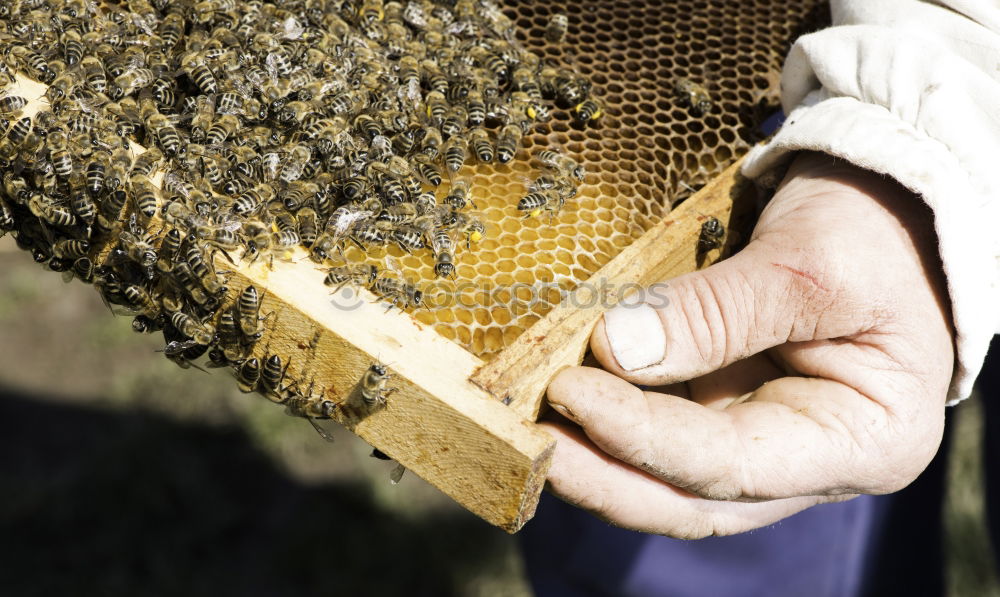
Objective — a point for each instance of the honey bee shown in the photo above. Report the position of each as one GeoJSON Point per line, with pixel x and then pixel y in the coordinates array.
{"type": "Point", "coordinates": [44, 209]}
{"type": "Point", "coordinates": [443, 248]}
{"type": "Point", "coordinates": [131, 81]}
{"type": "Point", "coordinates": [555, 29]}
{"type": "Point", "coordinates": [201, 333]}
{"type": "Point", "coordinates": [459, 196]}
{"type": "Point", "coordinates": [711, 235]}
{"type": "Point", "coordinates": [367, 126]}
{"type": "Point", "coordinates": [73, 47]}
{"type": "Point", "coordinates": [253, 201]}
{"type": "Point", "coordinates": [83, 206]}
{"type": "Point", "coordinates": [507, 142]}
{"type": "Point", "coordinates": [164, 91]}
{"type": "Point", "coordinates": [169, 249]}
{"type": "Point", "coordinates": [549, 200]}
{"type": "Point", "coordinates": [561, 162]}
{"type": "Point", "coordinates": [18, 132]}
{"type": "Point", "coordinates": [525, 81]}
{"type": "Point", "coordinates": [296, 160]}
{"type": "Point", "coordinates": [202, 118]}
{"type": "Point", "coordinates": [138, 247]}
{"type": "Point", "coordinates": [167, 135]}
{"type": "Point", "coordinates": [455, 153]}
{"type": "Point", "coordinates": [248, 375]}
{"type": "Point", "coordinates": [221, 129]}
{"type": "Point", "coordinates": [11, 105]}
{"type": "Point", "coordinates": [427, 170]}
{"type": "Point", "coordinates": [62, 87]}
{"type": "Point", "coordinates": [94, 76]}
{"type": "Point", "coordinates": [230, 338]}
{"type": "Point", "coordinates": [587, 110]}
{"type": "Point", "coordinates": [146, 196]}
{"type": "Point", "coordinates": [455, 122]}
{"type": "Point", "coordinates": [248, 313]}
{"type": "Point", "coordinates": [359, 275]}
{"type": "Point", "coordinates": [471, 227]}
{"type": "Point", "coordinates": [481, 144]}
{"type": "Point", "coordinates": [62, 159]}
{"type": "Point", "coordinates": [310, 407]}
{"type": "Point", "coordinates": [272, 376]}
{"type": "Point", "coordinates": [693, 96]}
{"type": "Point", "coordinates": [409, 238]}
{"type": "Point", "coordinates": [70, 249]}
{"type": "Point", "coordinates": [399, 293]}
{"type": "Point", "coordinates": [204, 270]}
{"type": "Point", "coordinates": [142, 301]}
{"type": "Point", "coordinates": [328, 134]}
{"type": "Point", "coordinates": [147, 162]}
{"type": "Point", "coordinates": [203, 77]}
{"type": "Point", "coordinates": [306, 219]}
{"type": "Point", "coordinates": [184, 279]}
{"type": "Point", "coordinates": [220, 236]}
{"type": "Point", "coordinates": [475, 105]}
{"type": "Point", "coordinates": [171, 30]}
{"type": "Point", "coordinates": [374, 385]}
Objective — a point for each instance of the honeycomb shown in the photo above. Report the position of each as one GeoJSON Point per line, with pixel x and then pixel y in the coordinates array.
{"type": "Point", "coordinates": [648, 152]}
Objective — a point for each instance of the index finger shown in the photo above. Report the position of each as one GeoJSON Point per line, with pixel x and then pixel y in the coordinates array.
{"type": "Point", "coordinates": [587, 478]}
{"type": "Point", "coordinates": [791, 437]}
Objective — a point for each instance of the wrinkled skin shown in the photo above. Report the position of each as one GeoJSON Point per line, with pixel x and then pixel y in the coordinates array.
{"type": "Point", "coordinates": [810, 367]}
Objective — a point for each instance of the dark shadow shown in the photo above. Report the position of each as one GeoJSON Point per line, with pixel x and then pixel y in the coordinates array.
{"type": "Point", "coordinates": [110, 503]}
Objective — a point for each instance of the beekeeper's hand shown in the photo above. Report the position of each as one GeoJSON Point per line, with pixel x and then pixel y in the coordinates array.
{"type": "Point", "coordinates": [816, 362]}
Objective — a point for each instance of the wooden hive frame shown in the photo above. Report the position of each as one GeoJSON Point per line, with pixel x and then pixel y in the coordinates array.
{"type": "Point", "coordinates": [464, 425]}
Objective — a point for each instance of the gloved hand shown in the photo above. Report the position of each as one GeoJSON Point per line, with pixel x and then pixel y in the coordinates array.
{"type": "Point", "coordinates": [810, 367]}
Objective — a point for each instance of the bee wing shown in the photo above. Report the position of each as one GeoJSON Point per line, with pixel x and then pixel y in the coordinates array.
{"type": "Point", "coordinates": [397, 474]}
{"type": "Point", "coordinates": [381, 146]}
{"type": "Point", "coordinates": [242, 88]}
{"type": "Point", "coordinates": [391, 264]}
{"type": "Point", "coordinates": [176, 347]}
{"type": "Point", "coordinates": [270, 64]}
{"type": "Point", "coordinates": [291, 28]}
{"type": "Point", "coordinates": [319, 429]}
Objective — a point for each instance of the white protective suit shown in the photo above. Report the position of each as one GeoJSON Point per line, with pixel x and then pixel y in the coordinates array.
{"type": "Point", "coordinates": [911, 89]}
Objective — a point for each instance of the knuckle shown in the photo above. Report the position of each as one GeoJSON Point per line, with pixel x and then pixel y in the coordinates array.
{"type": "Point", "coordinates": [707, 312]}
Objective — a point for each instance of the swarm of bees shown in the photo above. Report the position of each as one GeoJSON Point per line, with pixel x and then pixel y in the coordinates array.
{"type": "Point", "coordinates": [176, 136]}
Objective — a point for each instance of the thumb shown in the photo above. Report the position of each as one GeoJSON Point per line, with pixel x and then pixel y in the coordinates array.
{"type": "Point", "coordinates": [700, 322]}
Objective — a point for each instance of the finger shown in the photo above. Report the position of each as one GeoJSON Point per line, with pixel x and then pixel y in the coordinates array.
{"type": "Point", "coordinates": [703, 321]}
{"type": "Point", "coordinates": [790, 437]}
{"type": "Point", "coordinates": [585, 477]}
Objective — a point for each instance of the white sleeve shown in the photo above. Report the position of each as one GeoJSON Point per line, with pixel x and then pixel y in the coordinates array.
{"type": "Point", "coordinates": [911, 89]}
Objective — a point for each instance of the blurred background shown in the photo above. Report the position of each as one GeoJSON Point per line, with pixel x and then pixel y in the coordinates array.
{"type": "Point", "coordinates": [121, 474]}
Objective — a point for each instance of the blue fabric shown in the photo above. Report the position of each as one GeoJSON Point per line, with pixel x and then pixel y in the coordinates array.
{"type": "Point", "coordinates": [821, 552]}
